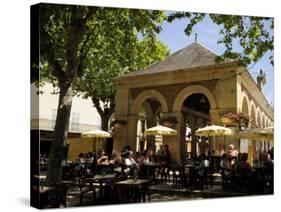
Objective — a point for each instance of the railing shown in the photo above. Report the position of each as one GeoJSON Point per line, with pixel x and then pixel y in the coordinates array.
{"type": "Point", "coordinates": [47, 124]}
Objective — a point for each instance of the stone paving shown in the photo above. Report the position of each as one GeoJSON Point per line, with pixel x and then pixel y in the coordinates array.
{"type": "Point", "coordinates": [159, 193]}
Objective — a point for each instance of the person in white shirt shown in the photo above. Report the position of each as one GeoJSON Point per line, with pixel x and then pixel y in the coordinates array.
{"type": "Point", "coordinates": [129, 162]}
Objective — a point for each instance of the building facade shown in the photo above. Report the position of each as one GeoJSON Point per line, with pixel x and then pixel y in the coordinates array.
{"type": "Point", "coordinates": [191, 90]}
{"type": "Point", "coordinates": [84, 116]}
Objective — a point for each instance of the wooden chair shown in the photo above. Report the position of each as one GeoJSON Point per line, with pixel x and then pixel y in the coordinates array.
{"type": "Point", "coordinates": [86, 186]}
{"type": "Point", "coordinates": [227, 180]}
{"type": "Point", "coordinates": [178, 177]}
{"type": "Point", "coordinates": [203, 179]}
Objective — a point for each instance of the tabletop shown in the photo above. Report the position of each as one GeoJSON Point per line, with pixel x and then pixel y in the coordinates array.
{"type": "Point", "coordinates": [133, 182]}
{"type": "Point", "coordinates": [104, 177]}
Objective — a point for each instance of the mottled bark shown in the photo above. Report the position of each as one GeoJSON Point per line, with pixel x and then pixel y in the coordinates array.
{"type": "Point", "coordinates": [105, 113]}
{"type": "Point", "coordinates": [66, 79]}
{"type": "Point", "coordinates": [58, 148]}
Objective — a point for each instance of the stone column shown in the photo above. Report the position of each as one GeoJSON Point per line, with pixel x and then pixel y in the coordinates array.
{"type": "Point", "coordinates": [150, 123]}
{"type": "Point", "coordinates": [193, 142]}
{"type": "Point", "coordinates": [120, 134]}
{"type": "Point", "coordinates": [176, 143]}
{"type": "Point", "coordinates": [132, 131]}
{"type": "Point", "coordinates": [121, 113]}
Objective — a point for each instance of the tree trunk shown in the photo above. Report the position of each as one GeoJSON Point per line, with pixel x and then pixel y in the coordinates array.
{"type": "Point", "coordinates": [58, 148]}
{"type": "Point", "coordinates": [104, 121]}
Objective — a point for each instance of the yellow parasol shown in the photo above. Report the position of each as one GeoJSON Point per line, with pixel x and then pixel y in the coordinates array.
{"type": "Point", "coordinates": [213, 130]}
{"type": "Point", "coordinates": [265, 134]}
{"type": "Point", "coordinates": [160, 130]}
{"type": "Point", "coordinates": [96, 134]}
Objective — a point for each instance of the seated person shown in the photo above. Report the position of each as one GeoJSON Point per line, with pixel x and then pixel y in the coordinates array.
{"type": "Point", "coordinates": [236, 162]}
{"type": "Point", "coordinates": [220, 151]}
{"type": "Point", "coordinates": [116, 158]}
{"type": "Point", "coordinates": [129, 162]}
{"type": "Point", "coordinates": [243, 166]}
{"type": "Point", "coordinates": [232, 154]}
{"type": "Point", "coordinates": [103, 159]}
{"type": "Point", "coordinates": [226, 168]}
{"type": "Point", "coordinates": [203, 164]}
{"type": "Point", "coordinates": [166, 155]}
{"type": "Point", "coordinates": [144, 160]}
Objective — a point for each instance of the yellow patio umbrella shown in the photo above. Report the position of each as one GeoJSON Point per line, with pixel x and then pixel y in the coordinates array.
{"type": "Point", "coordinates": [264, 134]}
{"type": "Point", "coordinates": [214, 130]}
{"type": "Point", "coordinates": [160, 130]}
{"type": "Point", "coordinates": [98, 134]}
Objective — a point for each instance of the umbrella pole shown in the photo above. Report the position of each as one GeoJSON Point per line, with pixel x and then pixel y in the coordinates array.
{"type": "Point", "coordinates": [93, 147]}
{"type": "Point", "coordinates": [224, 141]}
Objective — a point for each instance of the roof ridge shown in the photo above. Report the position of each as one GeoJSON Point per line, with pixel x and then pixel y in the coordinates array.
{"type": "Point", "coordinates": [191, 56]}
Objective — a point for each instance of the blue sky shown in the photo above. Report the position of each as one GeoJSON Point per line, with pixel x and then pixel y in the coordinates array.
{"type": "Point", "coordinates": [208, 34]}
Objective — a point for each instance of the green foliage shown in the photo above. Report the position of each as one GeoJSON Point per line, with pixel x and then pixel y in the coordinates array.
{"type": "Point", "coordinates": [126, 43]}
{"type": "Point", "coordinates": [88, 46]}
{"type": "Point", "coordinates": [254, 35]}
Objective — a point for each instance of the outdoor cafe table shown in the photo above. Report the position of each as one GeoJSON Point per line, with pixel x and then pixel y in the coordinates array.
{"type": "Point", "coordinates": [215, 163]}
{"type": "Point", "coordinates": [152, 169]}
{"type": "Point", "coordinates": [191, 172]}
{"type": "Point", "coordinates": [101, 179]}
{"type": "Point", "coordinates": [138, 187]}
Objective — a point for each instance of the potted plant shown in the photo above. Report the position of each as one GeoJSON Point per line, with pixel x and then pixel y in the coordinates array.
{"type": "Point", "coordinates": [232, 118]}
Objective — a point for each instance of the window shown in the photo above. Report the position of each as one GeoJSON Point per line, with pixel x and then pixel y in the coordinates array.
{"type": "Point", "coordinates": [54, 117]}
{"type": "Point", "coordinates": [74, 125]}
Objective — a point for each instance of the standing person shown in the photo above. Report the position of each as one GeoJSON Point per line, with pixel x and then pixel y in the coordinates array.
{"type": "Point", "coordinates": [206, 149]}
{"type": "Point", "coordinates": [166, 155]}
{"type": "Point", "coordinates": [151, 153]}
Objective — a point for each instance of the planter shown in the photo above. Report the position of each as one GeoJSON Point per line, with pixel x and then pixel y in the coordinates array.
{"type": "Point", "coordinates": [227, 121]}
{"type": "Point", "coordinates": [169, 121]}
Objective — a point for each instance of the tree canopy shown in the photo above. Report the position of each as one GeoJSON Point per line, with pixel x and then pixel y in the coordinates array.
{"type": "Point", "coordinates": [119, 49]}
{"type": "Point", "coordinates": [253, 34]}
{"type": "Point", "coordinates": [115, 41]}
{"type": "Point", "coordinates": [82, 48]}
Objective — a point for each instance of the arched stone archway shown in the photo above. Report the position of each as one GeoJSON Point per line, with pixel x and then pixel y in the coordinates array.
{"type": "Point", "coordinates": [259, 122]}
{"type": "Point", "coordinates": [137, 103]}
{"type": "Point", "coordinates": [266, 121]}
{"type": "Point", "coordinates": [263, 120]}
{"type": "Point", "coordinates": [253, 114]}
{"type": "Point", "coordinates": [184, 93]}
{"type": "Point", "coordinates": [245, 104]}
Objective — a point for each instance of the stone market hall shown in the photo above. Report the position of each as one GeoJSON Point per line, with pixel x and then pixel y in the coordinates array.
{"type": "Point", "coordinates": [189, 89]}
